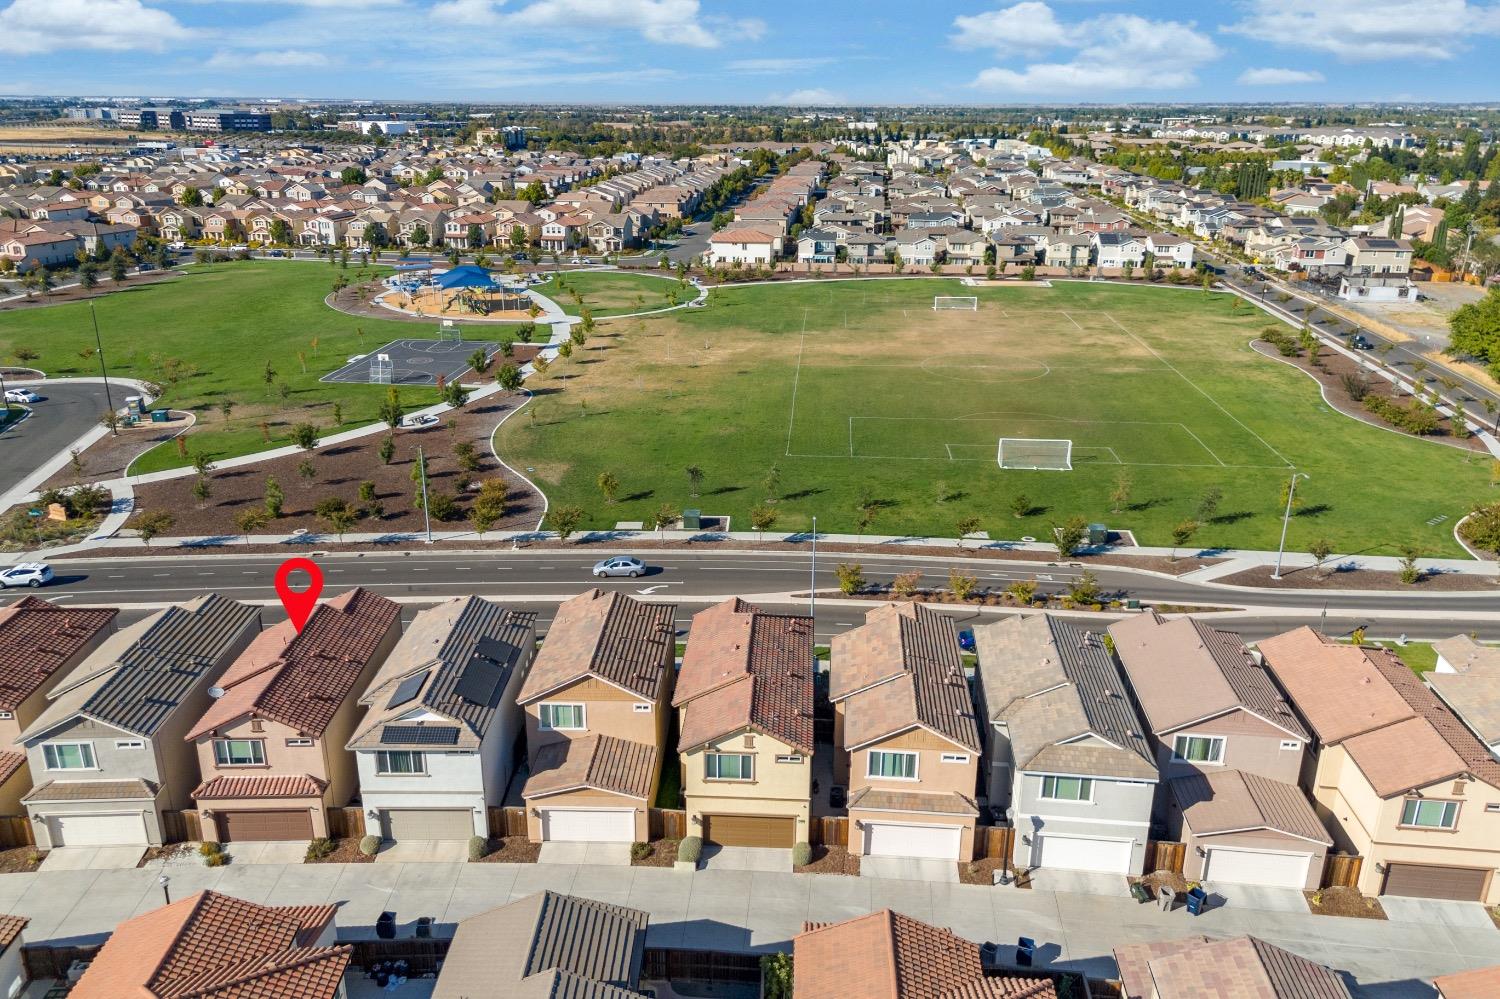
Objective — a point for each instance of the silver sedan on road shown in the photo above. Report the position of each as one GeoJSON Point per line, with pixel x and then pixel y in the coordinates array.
{"type": "Point", "coordinates": [620, 565]}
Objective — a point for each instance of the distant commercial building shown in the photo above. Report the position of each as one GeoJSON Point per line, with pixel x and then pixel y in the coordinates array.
{"type": "Point", "coordinates": [227, 120]}
{"type": "Point", "coordinates": [150, 118]}
{"type": "Point", "coordinates": [384, 127]}
{"type": "Point", "coordinates": [89, 114]}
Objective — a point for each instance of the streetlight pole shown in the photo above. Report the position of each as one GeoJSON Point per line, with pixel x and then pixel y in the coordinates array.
{"type": "Point", "coordinates": [164, 881]}
{"type": "Point", "coordinates": [1286, 519]}
{"type": "Point", "coordinates": [99, 344]}
{"type": "Point", "coordinates": [426, 517]}
{"type": "Point", "coordinates": [812, 576]}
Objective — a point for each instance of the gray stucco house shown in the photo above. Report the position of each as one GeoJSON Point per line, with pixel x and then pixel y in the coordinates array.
{"type": "Point", "coordinates": [108, 754]}
{"type": "Point", "coordinates": [1066, 758]}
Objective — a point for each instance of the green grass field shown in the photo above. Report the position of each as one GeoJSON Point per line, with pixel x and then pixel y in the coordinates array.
{"type": "Point", "coordinates": [858, 391]}
{"type": "Point", "coordinates": [226, 321]}
{"type": "Point", "coordinates": [611, 293]}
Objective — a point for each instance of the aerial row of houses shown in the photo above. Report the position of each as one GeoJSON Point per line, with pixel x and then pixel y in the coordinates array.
{"type": "Point", "coordinates": [1088, 743]}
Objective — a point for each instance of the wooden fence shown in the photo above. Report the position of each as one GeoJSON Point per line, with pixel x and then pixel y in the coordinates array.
{"type": "Point", "coordinates": [994, 842]}
{"type": "Point", "coordinates": [710, 966]}
{"type": "Point", "coordinates": [45, 961]}
{"type": "Point", "coordinates": [181, 826]}
{"type": "Point", "coordinates": [1341, 870]}
{"type": "Point", "coordinates": [346, 823]}
{"type": "Point", "coordinates": [15, 830]}
{"type": "Point", "coordinates": [507, 821]}
{"type": "Point", "coordinates": [828, 830]}
{"type": "Point", "coordinates": [1165, 855]}
{"type": "Point", "coordinates": [668, 823]}
{"type": "Point", "coordinates": [423, 957]}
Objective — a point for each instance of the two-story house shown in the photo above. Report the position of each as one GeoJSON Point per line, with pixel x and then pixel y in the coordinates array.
{"type": "Point", "coordinates": [1229, 749]}
{"type": "Point", "coordinates": [1169, 249]}
{"type": "Point", "coordinates": [108, 754]}
{"type": "Point", "coordinates": [817, 246]}
{"type": "Point", "coordinates": [435, 748]}
{"type": "Point", "coordinates": [1394, 774]}
{"type": "Point", "coordinates": [1467, 678]}
{"type": "Point", "coordinates": [744, 698]}
{"type": "Point", "coordinates": [905, 735]}
{"type": "Point", "coordinates": [598, 702]}
{"type": "Point", "coordinates": [42, 642]}
{"type": "Point", "coordinates": [271, 745]}
{"type": "Point", "coordinates": [1068, 763]}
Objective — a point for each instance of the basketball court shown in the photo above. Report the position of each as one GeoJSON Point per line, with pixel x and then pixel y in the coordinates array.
{"type": "Point", "coordinates": [413, 362]}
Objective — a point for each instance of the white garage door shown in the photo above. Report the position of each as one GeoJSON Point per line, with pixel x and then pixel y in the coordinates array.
{"type": "Point", "coordinates": [1078, 853]}
{"type": "Point", "coordinates": [1257, 867]}
{"type": "Point", "coordinates": [428, 823]}
{"type": "Point", "coordinates": [97, 830]}
{"type": "Point", "coordinates": [891, 839]}
{"type": "Point", "coordinates": [588, 825]}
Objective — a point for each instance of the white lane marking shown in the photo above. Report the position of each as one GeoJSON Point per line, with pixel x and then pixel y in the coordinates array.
{"type": "Point", "coordinates": [653, 589]}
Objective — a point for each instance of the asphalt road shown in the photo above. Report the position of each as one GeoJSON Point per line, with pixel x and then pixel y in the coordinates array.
{"type": "Point", "coordinates": [65, 413]}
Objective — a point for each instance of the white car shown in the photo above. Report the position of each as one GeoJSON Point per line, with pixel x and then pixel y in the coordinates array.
{"type": "Point", "coordinates": [21, 395]}
{"type": "Point", "coordinates": [620, 565]}
{"type": "Point", "coordinates": [26, 574]}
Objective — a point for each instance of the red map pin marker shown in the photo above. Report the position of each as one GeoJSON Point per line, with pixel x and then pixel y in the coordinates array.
{"type": "Point", "coordinates": [299, 604]}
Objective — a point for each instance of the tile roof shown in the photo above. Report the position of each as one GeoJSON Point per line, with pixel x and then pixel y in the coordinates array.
{"type": "Point", "coordinates": [603, 762]}
{"type": "Point", "coordinates": [887, 955]}
{"type": "Point", "coordinates": [137, 678]}
{"type": "Point", "coordinates": [547, 944]}
{"type": "Point", "coordinates": [629, 643]}
{"type": "Point", "coordinates": [1224, 801]}
{"type": "Point", "coordinates": [937, 802]}
{"type": "Point", "coordinates": [212, 946]}
{"type": "Point", "coordinates": [10, 929]}
{"type": "Point", "coordinates": [10, 765]}
{"type": "Point", "coordinates": [1237, 968]}
{"type": "Point", "coordinates": [301, 679]}
{"type": "Point", "coordinates": [39, 638]}
{"type": "Point", "coordinates": [1479, 983]}
{"type": "Point", "coordinates": [1337, 688]}
{"type": "Point", "coordinates": [1474, 690]}
{"type": "Point", "coordinates": [1184, 670]}
{"type": "Point", "coordinates": [92, 790]}
{"type": "Point", "coordinates": [1054, 683]}
{"type": "Point", "coordinates": [260, 786]}
{"type": "Point", "coordinates": [902, 668]}
{"type": "Point", "coordinates": [744, 668]}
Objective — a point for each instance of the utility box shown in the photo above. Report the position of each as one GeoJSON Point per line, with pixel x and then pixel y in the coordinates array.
{"type": "Point", "coordinates": [1098, 534]}
{"type": "Point", "coordinates": [160, 415]}
{"type": "Point", "coordinates": [135, 404]}
{"type": "Point", "coordinates": [692, 520]}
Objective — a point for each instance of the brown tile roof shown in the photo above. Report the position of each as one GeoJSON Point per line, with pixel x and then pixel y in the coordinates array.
{"type": "Point", "coordinates": [1459, 738]}
{"type": "Point", "coordinates": [1403, 756]}
{"type": "Point", "coordinates": [597, 761]}
{"type": "Point", "coordinates": [1474, 690]}
{"type": "Point", "coordinates": [212, 946]}
{"type": "Point", "coordinates": [1337, 688]}
{"type": "Point", "coordinates": [1237, 968]}
{"type": "Point", "coordinates": [744, 668]}
{"type": "Point", "coordinates": [900, 669]}
{"type": "Point", "coordinates": [40, 638]}
{"type": "Point", "coordinates": [937, 802]}
{"type": "Point", "coordinates": [302, 679]}
{"type": "Point", "coordinates": [92, 790]}
{"type": "Point", "coordinates": [10, 929]}
{"type": "Point", "coordinates": [261, 786]}
{"type": "Point", "coordinates": [627, 642]}
{"type": "Point", "coordinates": [1480, 983]}
{"type": "Point", "coordinates": [1225, 801]}
{"type": "Point", "coordinates": [10, 765]}
{"type": "Point", "coordinates": [886, 955]}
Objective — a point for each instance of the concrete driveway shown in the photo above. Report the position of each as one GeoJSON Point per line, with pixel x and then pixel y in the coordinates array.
{"type": "Point", "coordinates": [1080, 882]}
{"type": "Point", "coordinates": [423, 851]}
{"type": "Point", "coordinates": [65, 413]}
{"type": "Point", "coordinates": [600, 854]}
{"type": "Point", "coordinates": [92, 858]}
{"type": "Point", "coordinates": [1436, 912]}
{"type": "Point", "coordinates": [745, 858]}
{"type": "Point", "coordinates": [909, 869]}
{"type": "Point", "coordinates": [269, 852]}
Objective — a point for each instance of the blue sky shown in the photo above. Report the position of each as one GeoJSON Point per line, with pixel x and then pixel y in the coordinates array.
{"type": "Point", "coordinates": [775, 51]}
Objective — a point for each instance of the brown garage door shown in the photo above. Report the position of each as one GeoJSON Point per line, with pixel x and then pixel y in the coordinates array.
{"type": "Point", "coordinates": [749, 830]}
{"type": "Point", "coordinates": [252, 826]}
{"type": "Point", "coordinates": [1423, 881]}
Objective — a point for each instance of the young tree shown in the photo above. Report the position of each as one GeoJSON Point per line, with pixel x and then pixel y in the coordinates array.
{"type": "Point", "coordinates": [88, 275]}
{"type": "Point", "coordinates": [695, 478]}
{"type": "Point", "coordinates": [308, 471]}
{"type": "Point", "coordinates": [1410, 574]}
{"type": "Point", "coordinates": [961, 585]}
{"type": "Point", "coordinates": [251, 520]}
{"type": "Point", "coordinates": [390, 409]}
{"type": "Point", "coordinates": [851, 578]}
{"type": "Point", "coordinates": [1085, 589]}
{"type": "Point", "coordinates": [609, 486]}
{"type": "Point", "coordinates": [150, 524]}
{"type": "Point", "coordinates": [1182, 533]}
{"type": "Point", "coordinates": [478, 361]}
{"type": "Point", "coordinates": [387, 449]}
{"type": "Point", "coordinates": [763, 518]}
{"type": "Point", "coordinates": [508, 377]}
{"type": "Point", "coordinates": [966, 526]}
{"type": "Point", "coordinates": [1208, 503]}
{"type": "Point", "coordinates": [772, 483]}
{"type": "Point", "coordinates": [905, 584]}
{"type": "Point", "coordinates": [1320, 550]}
{"type": "Point", "coordinates": [1069, 536]}
{"type": "Point", "coordinates": [202, 490]}
{"type": "Point", "coordinates": [565, 520]}
{"type": "Point", "coordinates": [1119, 496]}
{"type": "Point", "coordinates": [455, 395]}
{"type": "Point", "coordinates": [336, 512]}
{"type": "Point", "coordinates": [1020, 505]}
{"type": "Point", "coordinates": [304, 435]}
{"type": "Point", "coordinates": [275, 498]}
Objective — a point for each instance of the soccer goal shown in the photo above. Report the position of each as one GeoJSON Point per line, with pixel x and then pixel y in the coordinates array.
{"type": "Point", "coordinates": [381, 370]}
{"type": "Point", "coordinates": [969, 302]}
{"type": "Point", "coordinates": [1036, 453]}
{"type": "Point", "coordinates": [450, 330]}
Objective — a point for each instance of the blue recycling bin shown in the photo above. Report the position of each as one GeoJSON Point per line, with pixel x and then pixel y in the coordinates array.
{"type": "Point", "coordinates": [1195, 900]}
{"type": "Point", "coordinates": [1025, 952]}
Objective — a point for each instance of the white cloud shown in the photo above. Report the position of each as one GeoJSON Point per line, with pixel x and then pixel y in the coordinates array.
{"type": "Point", "coordinates": [1112, 53]}
{"type": "Point", "coordinates": [31, 27]}
{"type": "Point", "coordinates": [666, 22]}
{"type": "Point", "coordinates": [809, 95]}
{"type": "Point", "coordinates": [777, 65]}
{"type": "Point", "coordinates": [1364, 30]}
{"type": "Point", "coordinates": [269, 59]}
{"type": "Point", "coordinates": [1270, 76]}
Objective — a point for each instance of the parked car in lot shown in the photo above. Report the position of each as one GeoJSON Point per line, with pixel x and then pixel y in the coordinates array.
{"type": "Point", "coordinates": [26, 574]}
{"type": "Point", "coordinates": [620, 565]}
{"type": "Point", "coordinates": [1358, 342]}
{"type": "Point", "coordinates": [21, 395]}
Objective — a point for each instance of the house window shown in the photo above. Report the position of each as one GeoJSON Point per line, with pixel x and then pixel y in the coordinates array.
{"type": "Point", "coordinates": [728, 766]}
{"type": "Point", "coordinates": [1290, 744]}
{"type": "Point", "coordinates": [1198, 748]}
{"type": "Point", "coordinates": [794, 758]}
{"type": "Point", "coordinates": [1067, 789]}
{"type": "Point", "coordinates": [892, 766]}
{"type": "Point", "coordinates": [297, 743]}
{"type": "Point", "coordinates": [129, 744]}
{"type": "Point", "coordinates": [955, 757]}
{"type": "Point", "coordinates": [1424, 813]}
{"type": "Point", "coordinates": [399, 761]}
{"type": "Point", "coordinates": [643, 709]}
{"type": "Point", "coordinates": [240, 752]}
{"type": "Point", "coordinates": [562, 717]}
{"type": "Point", "coordinates": [69, 755]}
{"type": "Point", "coordinates": [1492, 807]}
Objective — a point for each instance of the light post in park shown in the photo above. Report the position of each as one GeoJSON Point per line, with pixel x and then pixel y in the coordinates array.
{"type": "Point", "coordinates": [1286, 519]}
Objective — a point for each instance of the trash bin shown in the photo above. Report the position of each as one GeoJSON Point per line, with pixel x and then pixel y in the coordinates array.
{"type": "Point", "coordinates": [1195, 900]}
{"type": "Point", "coordinates": [385, 926]}
{"type": "Point", "coordinates": [424, 928]}
{"type": "Point", "coordinates": [1025, 952]}
{"type": "Point", "coordinates": [160, 415]}
{"type": "Point", "coordinates": [1167, 897]}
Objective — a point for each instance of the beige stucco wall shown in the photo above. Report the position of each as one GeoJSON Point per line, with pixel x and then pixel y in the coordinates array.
{"type": "Point", "coordinates": [1250, 744]}
{"type": "Point", "coordinates": [779, 789]}
{"type": "Point", "coordinates": [588, 798]}
{"type": "Point", "coordinates": [933, 775]}
{"type": "Point", "coordinates": [1192, 865]}
{"type": "Point", "coordinates": [608, 710]}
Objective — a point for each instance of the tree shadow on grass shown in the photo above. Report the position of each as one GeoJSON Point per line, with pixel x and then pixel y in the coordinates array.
{"type": "Point", "coordinates": [721, 490]}
{"type": "Point", "coordinates": [1316, 510]}
{"type": "Point", "coordinates": [1231, 518]}
{"type": "Point", "coordinates": [803, 494]}
{"type": "Point", "coordinates": [644, 494]}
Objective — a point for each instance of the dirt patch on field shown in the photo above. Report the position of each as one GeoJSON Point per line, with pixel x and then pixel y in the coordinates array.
{"type": "Point", "coordinates": [111, 455]}
{"type": "Point", "coordinates": [1358, 579]}
{"type": "Point", "coordinates": [339, 471]}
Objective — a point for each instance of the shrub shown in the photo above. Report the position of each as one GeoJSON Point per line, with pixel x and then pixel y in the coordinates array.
{"type": "Point", "coordinates": [1415, 417]}
{"type": "Point", "coordinates": [961, 584]}
{"type": "Point", "coordinates": [906, 583]}
{"type": "Point", "coordinates": [851, 578]}
{"type": "Point", "coordinates": [208, 849]}
{"type": "Point", "coordinates": [1482, 528]}
{"type": "Point", "coordinates": [776, 976]}
{"type": "Point", "coordinates": [319, 848]}
{"type": "Point", "coordinates": [690, 849]}
{"type": "Point", "coordinates": [215, 860]}
{"type": "Point", "coordinates": [1024, 590]}
{"type": "Point", "coordinates": [802, 854]}
{"type": "Point", "coordinates": [478, 847]}
{"type": "Point", "coordinates": [640, 851]}
{"type": "Point", "coordinates": [1355, 386]}
{"type": "Point", "coordinates": [369, 845]}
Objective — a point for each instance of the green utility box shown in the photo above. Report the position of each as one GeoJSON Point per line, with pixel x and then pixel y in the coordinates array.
{"type": "Point", "coordinates": [692, 520]}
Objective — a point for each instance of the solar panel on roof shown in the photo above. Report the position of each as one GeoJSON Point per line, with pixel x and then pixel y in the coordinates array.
{"type": "Point", "coordinates": [422, 735]}
{"type": "Point", "coordinates": [485, 671]}
{"type": "Point", "coordinates": [408, 690]}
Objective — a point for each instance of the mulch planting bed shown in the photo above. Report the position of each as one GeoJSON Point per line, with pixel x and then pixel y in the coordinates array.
{"type": "Point", "coordinates": [830, 860]}
{"type": "Point", "coordinates": [340, 469]}
{"type": "Point", "coordinates": [1358, 579]}
{"type": "Point", "coordinates": [662, 853]}
{"type": "Point", "coordinates": [105, 287]}
{"type": "Point", "coordinates": [111, 455]}
{"type": "Point", "coordinates": [514, 850]}
{"type": "Point", "coordinates": [21, 859]}
{"type": "Point", "coordinates": [979, 872]}
{"type": "Point", "coordinates": [1168, 879]}
{"type": "Point", "coordinates": [345, 851]}
{"type": "Point", "coordinates": [1343, 902]}
{"type": "Point", "coordinates": [154, 854]}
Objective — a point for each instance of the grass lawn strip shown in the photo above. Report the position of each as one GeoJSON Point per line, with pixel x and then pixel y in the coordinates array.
{"type": "Point", "coordinates": [614, 293]}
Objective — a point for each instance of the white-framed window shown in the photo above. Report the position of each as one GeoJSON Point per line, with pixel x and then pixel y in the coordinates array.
{"type": "Point", "coordinates": [1492, 807]}
{"type": "Point", "coordinates": [69, 755]}
{"type": "Point", "coordinates": [1291, 745]}
{"type": "Point", "coordinates": [1198, 748]}
{"type": "Point", "coordinates": [400, 762]}
{"type": "Point", "coordinates": [1429, 813]}
{"type": "Point", "coordinates": [298, 742]}
{"type": "Point", "coordinates": [888, 765]}
{"type": "Point", "coordinates": [130, 744]}
{"type": "Point", "coordinates": [6, 714]}
{"type": "Point", "coordinates": [642, 709]}
{"type": "Point", "coordinates": [955, 757]}
{"type": "Point", "coordinates": [562, 717]}
{"type": "Point", "coordinates": [791, 758]}
{"type": "Point", "coordinates": [1067, 789]}
{"type": "Point", "coordinates": [728, 766]}
{"type": "Point", "coordinates": [240, 752]}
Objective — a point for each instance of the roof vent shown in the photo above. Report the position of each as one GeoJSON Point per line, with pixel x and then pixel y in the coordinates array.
{"type": "Point", "coordinates": [216, 692]}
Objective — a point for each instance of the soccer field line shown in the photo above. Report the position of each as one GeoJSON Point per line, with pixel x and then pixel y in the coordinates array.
{"type": "Point", "coordinates": [940, 457]}
{"type": "Point", "coordinates": [791, 421]}
{"type": "Point", "coordinates": [1266, 444]}
{"type": "Point", "coordinates": [1075, 322]}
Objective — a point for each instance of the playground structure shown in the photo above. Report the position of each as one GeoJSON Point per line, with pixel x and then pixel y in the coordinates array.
{"type": "Point", "coordinates": [467, 292]}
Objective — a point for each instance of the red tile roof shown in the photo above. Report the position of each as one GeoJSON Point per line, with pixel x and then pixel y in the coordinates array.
{"type": "Point", "coordinates": [10, 765]}
{"type": "Point", "coordinates": [629, 643]}
{"type": "Point", "coordinates": [39, 638]}
{"type": "Point", "coordinates": [602, 762]}
{"type": "Point", "coordinates": [261, 786]}
{"type": "Point", "coordinates": [10, 929]}
{"type": "Point", "coordinates": [1480, 983]}
{"type": "Point", "coordinates": [1238, 968]}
